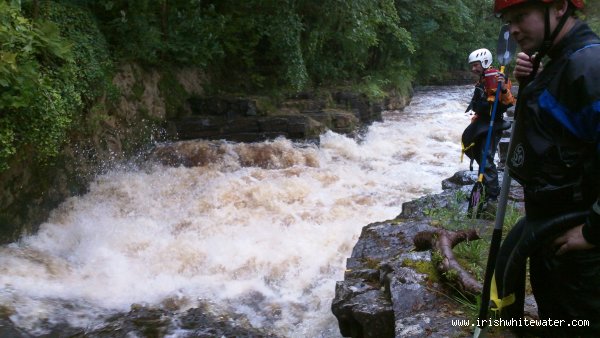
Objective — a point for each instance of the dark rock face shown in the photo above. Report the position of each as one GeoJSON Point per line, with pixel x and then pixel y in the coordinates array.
{"type": "Point", "coordinates": [302, 117]}
{"type": "Point", "coordinates": [382, 295]}
{"type": "Point", "coordinates": [364, 109]}
{"type": "Point", "coordinates": [390, 290]}
{"type": "Point", "coordinates": [151, 322]}
{"type": "Point", "coordinates": [248, 128]}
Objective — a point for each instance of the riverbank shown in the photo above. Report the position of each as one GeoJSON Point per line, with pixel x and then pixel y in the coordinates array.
{"type": "Point", "coordinates": [392, 290]}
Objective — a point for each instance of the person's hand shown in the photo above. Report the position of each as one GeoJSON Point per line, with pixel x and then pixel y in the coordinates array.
{"type": "Point", "coordinates": [571, 240]}
{"type": "Point", "coordinates": [524, 67]}
{"type": "Point", "coordinates": [501, 78]}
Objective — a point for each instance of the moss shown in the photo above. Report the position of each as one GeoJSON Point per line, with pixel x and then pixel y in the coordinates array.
{"type": "Point", "coordinates": [435, 223]}
{"type": "Point", "coordinates": [143, 112]}
{"type": "Point", "coordinates": [265, 105]}
{"type": "Point", "coordinates": [436, 257]}
{"type": "Point", "coordinates": [173, 93]}
{"type": "Point", "coordinates": [397, 221]}
{"type": "Point", "coordinates": [451, 275]}
{"type": "Point", "coordinates": [424, 267]}
{"type": "Point", "coordinates": [138, 90]}
{"type": "Point", "coordinates": [371, 263]}
{"type": "Point", "coordinates": [93, 120]}
{"type": "Point", "coordinates": [450, 215]}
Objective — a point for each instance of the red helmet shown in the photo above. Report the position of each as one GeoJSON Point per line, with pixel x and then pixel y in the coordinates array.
{"type": "Point", "coordinates": [500, 5]}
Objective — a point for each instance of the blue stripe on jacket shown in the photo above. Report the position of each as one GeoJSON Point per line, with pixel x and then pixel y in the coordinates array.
{"type": "Point", "coordinates": [584, 124]}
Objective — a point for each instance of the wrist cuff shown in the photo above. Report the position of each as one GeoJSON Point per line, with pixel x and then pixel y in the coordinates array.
{"type": "Point", "coordinates": [591, 228]}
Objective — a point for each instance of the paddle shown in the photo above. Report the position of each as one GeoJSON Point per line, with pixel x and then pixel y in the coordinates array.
{"type": "Point", "coordinates": [508, 46]}
{"type": "Point", "coordinates": [505, 50]}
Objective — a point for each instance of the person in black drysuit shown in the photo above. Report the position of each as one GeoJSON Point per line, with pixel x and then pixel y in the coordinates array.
{"type": "Point", "coordinates": [555, 156]}
{"type": "Point", "coordinates": [474, 136]}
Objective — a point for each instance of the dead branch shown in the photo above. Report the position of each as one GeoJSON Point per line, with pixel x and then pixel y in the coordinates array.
{"type": "Point", "coordinates": [443, 241]}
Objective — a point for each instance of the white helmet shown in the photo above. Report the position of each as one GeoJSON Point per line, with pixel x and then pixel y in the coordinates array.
{"type": "Point", "coordinates": [482, 55]}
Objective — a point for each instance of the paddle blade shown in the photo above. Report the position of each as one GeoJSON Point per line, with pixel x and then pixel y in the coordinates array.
{"type": "Point", "coordinates": [507, 46]}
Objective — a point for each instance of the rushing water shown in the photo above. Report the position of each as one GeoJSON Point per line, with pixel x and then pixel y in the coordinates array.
{"type": "Point", "coordinates": [261, 229]}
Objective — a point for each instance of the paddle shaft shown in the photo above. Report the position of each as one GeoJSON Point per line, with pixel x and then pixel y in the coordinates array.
{"type": "Point", "coordinates": [488, 139]}
{"type": "Point", "coordinates": [505, 42]}
{"type": "Point", "coordinates": [495, 244]}
{"type": "Point", "coordinates": [498, 224]}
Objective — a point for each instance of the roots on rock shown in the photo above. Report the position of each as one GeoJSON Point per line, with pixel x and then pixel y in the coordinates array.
{"type": "Point", "coordinates": [443, 241]}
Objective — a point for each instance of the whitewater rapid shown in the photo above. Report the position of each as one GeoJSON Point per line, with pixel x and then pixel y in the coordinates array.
{"type": "Point", "coordinates": [262, 230]}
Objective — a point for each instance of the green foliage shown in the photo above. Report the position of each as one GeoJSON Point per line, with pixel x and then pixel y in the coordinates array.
{"type": "Point", "coordinates": [452, 216]}
{"type": "Point", "coordinates": [445, 32]}
{"type": "Point", "coordinates": [436, 257]}
{"type": "Point", "coordinates": [374, 88]}
{"type": "Point", "coordinates": [473, 256]}
{"type": "Point", "coordinates": [56, 56]}
{"type": "Point", "coordinates": [512, 215]}
{"type": "Point", "coordinates": [173, 93]}
{"type": "Point", "coordinates": [591, 14]}
{"type": "Point", "coordinates": [264, 45]}
{"type": "Point", "coordinates": [284, 32]}
{"type": "Point", "coordinates": [36, 104]}
{"type": "Point", "coordinates": [53, 66]}
{"type": "Point", "coordinates": [349, 40]}
{"type": "Point", "coordinates": [261, 44]}
{"type": "Point", "coordinates": [153, 32]}
{"type": "Point", "coordinates": [89, 51]}
{"type": "Point", "coordinates": [22, 48]}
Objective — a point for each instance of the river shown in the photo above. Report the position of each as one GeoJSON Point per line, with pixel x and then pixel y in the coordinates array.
{"type": "Point", "coordinates": [262, 230]}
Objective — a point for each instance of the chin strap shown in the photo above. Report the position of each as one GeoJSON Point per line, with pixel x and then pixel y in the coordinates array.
{"type": "Point", "coordinates": [548, 38]}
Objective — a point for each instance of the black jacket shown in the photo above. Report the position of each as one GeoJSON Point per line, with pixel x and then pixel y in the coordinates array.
{"type": "Point", "coordinates": [555, 152]}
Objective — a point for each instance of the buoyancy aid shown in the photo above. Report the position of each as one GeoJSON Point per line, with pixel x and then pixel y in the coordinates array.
{"type": "Point", "coordinates": [483, 98]}
{"type": "Point", "coordinates": [473, 137]}
{"type": "Point", "coordinates": [555, 141]}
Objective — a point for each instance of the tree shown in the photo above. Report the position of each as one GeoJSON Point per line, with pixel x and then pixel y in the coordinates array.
{"type": "Point", "coordinates": [31, 57]}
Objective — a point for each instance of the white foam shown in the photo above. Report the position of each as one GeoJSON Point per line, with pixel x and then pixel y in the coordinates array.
{"type": "Point", "coordinates": [266, 231]}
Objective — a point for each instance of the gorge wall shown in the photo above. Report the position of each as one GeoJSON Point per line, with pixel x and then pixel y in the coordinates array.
{"type": "Point", "coordinates": [149, 106]}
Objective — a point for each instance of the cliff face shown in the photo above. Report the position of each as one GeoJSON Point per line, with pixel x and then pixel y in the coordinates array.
{"type": "Point", "coordinates": [149, 106]}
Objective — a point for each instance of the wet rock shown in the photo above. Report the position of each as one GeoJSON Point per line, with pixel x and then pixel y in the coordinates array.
{"type": "Point", "coordinates": [199, 323]}
{"type": "Point", "coordinates": [460, 179]}
{"type": "Point", "coordinates": [248, 128]}
{"type": "Point", "coordinates": [389, 289]}
{"type": "Point", "coordinates": [8, 330]}
{"type": "Point", "coordinates": [302, 117]}
{"type": "Point", "coordinates": [142, 321]}
{"type": "Point", "coordinates": [400, 303]}
{"type": "Point", "coordinates": [366, 312]}
{"type": "Point", "coordinates": [360, 105]}
{"type": "Point", "coordinates": [219, 106]}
